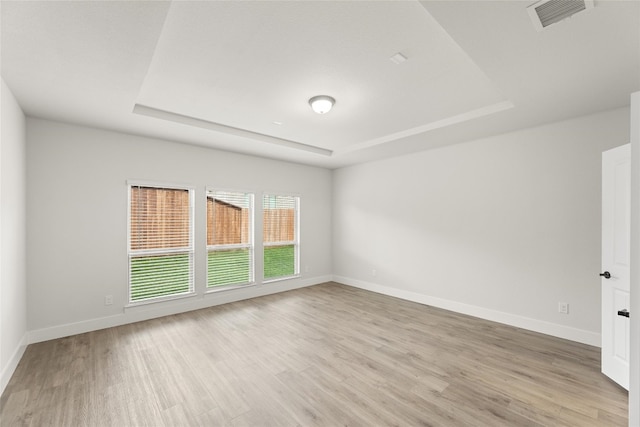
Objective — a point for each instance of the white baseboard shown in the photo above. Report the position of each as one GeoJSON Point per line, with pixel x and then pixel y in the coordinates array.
{"type": "Point", "coordinates": [8, 370]}
{"type": "Point", "coordinates": [152, 311]}
{"type": "Point", "coordinates": [541, 326]}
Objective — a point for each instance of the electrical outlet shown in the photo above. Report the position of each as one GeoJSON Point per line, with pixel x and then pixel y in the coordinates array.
{"type": "Point", "coordinates": [374, 272]}
{"type": "Point", "coordinates": [563, 307]}
{"type": "Point", "coordinates": [108, 299]}
{"type": "Point", "coordinates": [306, 269]}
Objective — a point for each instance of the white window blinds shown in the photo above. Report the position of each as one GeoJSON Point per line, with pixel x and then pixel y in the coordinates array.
{"type": "Point", "coordinates": [230, 248]}
{"type": "Point", "coordinates": [160, 242]}
{"type": "Point", "coordinates": [280, 236]}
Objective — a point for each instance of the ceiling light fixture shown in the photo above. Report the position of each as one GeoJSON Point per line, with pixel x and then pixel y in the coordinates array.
{"type": "Point", "coordinates": [322, 103]}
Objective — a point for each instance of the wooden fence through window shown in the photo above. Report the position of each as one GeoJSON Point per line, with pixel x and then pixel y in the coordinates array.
{"type": "Point", "coordinates": [160, 219]}
{"type": "Point", "coordinates": [278, 225]}
{"type": "Point", "coordinates": [229, 224]}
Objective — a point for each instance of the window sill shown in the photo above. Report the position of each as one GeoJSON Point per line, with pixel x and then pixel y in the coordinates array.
{"type": "Point", "coordinates": [159, 301]}
{"type": "Point", "coordinates": [229, 288]}
{"type": "Point", "coordinates": [280, 279]}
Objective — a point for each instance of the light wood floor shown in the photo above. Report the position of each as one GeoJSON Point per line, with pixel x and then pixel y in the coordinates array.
{"type": "Point", "coordinates": [325, 355]}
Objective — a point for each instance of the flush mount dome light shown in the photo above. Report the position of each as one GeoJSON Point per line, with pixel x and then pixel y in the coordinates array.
{"type": "Point", "coordinates": [322, 103]}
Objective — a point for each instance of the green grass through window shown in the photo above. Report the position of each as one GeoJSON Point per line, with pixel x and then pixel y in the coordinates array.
{"type": "Point", "coordinates": [160, 275]}
{"type": "Point", "coordinates": [228, 267]}
{"type": "Point", "coordinates": [279, 261]}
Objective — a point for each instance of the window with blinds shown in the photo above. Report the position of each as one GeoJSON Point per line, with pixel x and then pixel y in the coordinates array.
{"type": "Point", "coordinates": [280, 236]}
{"type": "Point", "coordinates": [160, 243]}
{"type": "Point", "coordinates": [230, 245]}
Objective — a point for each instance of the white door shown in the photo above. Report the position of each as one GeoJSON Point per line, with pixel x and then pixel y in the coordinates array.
{"type": "Point", "coordinates": [616, 238]}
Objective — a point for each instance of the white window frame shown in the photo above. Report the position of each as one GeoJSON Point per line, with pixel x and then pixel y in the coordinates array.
{"type": "Point", "coordinates": [250, 245]}
{"type": "Point", "coordinates": [295, 242]}
{"type": "Point", "coordinates": [139, 253]}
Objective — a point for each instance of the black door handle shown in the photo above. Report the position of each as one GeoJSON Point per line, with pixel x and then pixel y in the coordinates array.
{"type": "Point", "coordinates": [606, 275]}
{"type": "Point", "coordinates": [624, 313]}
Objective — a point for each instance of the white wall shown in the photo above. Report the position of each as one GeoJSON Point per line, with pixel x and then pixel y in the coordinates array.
{"type": "Point", "coordinates": [13, 294]}
{"type": "Point", "coordinates": [634, 380]}
{"type": "Point", "coordinates": [502, 228]}
{"type": "Point", "coordinates": [77, 198]}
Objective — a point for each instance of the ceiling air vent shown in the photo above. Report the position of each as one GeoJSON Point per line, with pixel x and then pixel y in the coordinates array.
{"type": "Point", "coordinates": [547, 12]}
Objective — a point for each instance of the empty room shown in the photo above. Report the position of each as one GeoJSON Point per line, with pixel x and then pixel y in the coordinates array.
{"type": "Point", "coordinates": [320, 213]}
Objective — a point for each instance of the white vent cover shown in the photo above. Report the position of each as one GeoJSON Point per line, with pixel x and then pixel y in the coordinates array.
{"type": "Point", "coordinates": [547, 12]}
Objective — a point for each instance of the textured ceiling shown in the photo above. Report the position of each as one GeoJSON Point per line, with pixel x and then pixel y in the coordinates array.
{"type": "Point", "coordinates": [221, 74]}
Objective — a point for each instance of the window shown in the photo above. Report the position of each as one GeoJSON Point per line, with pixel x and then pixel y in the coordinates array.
{"type": "Point", "coordinates": [229, 238]}
{"type": "Point", "coordinates": [280, 236]}
{"type": "Point", "coordinates": [160, 242]}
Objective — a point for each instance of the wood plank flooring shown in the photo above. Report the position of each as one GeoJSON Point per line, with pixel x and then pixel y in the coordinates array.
{"type": "Point", "coordinates": [327, 355]}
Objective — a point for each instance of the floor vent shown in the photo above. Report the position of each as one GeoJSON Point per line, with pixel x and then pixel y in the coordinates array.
{"type": "Point", "coordinates": [548, 12]}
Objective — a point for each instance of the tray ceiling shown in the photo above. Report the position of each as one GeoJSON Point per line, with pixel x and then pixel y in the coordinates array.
{"type": "Point", "coordinates": [238, 75]}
